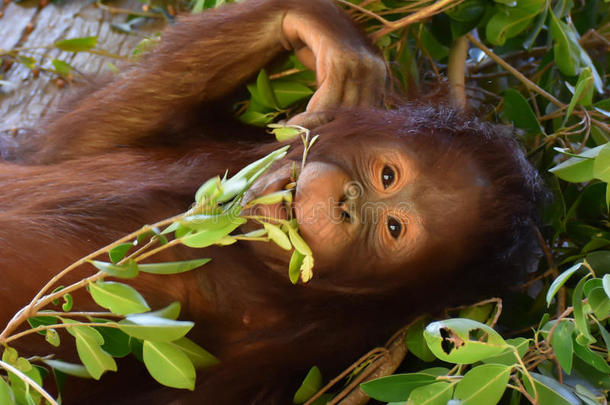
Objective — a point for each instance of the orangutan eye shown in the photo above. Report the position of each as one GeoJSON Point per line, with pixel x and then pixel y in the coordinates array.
{"type": "Point", "coordinates": [387, 176]}
{"type": "Point", "coordinates": [394, 227]}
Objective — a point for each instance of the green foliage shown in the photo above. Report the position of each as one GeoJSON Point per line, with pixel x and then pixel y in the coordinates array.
{"type": "Point", "coordinates": [156, 338]}
{"type": "Point", "coordinates": [272, 99]}
{"type": "Point", "coordinates": [311, 384]}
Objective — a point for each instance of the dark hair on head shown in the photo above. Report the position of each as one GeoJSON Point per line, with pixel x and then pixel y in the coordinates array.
{"type": "Point", "coordinates": [507, 234]}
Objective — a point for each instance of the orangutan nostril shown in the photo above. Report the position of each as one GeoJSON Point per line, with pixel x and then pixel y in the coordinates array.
{"type": "Point", "coordinates": [345, 215]}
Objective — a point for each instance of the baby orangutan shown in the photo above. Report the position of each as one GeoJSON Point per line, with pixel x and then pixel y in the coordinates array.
{"type": "Point", "coordinates": [405, 210]}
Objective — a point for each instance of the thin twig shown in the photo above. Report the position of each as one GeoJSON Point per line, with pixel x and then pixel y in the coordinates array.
{"type": "Point", "coordinates": [365, 11]}
{"type": "Point", "coordinates": [29, 382]}
{"type": "Point", "coordinates": [420, 15]}
{"type": "Point", "coordinates": [39, 301]}
{"type": "Point", "coordinates": [58, 326]}
{"type": "Point", "coordinates": [375, 352]}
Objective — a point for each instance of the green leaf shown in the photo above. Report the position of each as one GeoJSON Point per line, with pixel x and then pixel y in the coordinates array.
{"type": "Point", "coordinates": [277, 236]}
{"type": "Point", "coordinates": [200, 357]}
{"type": "Point", "coordinates": [561, 341]}
{"type": "Point", "coordinates": [84, 331]}
{"type": "Point", "coordinates": [583, 91]}
{"type": "Point", "coordinates": [273, 198]}
{"type": "Point", "coordinates": [23, 364]}
{"type": "Point", "coordinates": [469, 10]}
{"type": "Point", "coordinates": [480, 313]}
{"type": "Point", "coordinates": [605, 334]}
{"type": "Point", "coordinates": [68, 303]}
{"type": "Point", "coordinates": [154, 328]}
{"type": "Point", "coordinates": [601, 166]}
{"type": "Point", "coordinates": [136, 347]}
{"type": "Point", "coordinates": [298, 242]}
{"type": "Point", "coordinates": [438, 393]}
{"type": "Point", "coordinates": [209, 223]}
{"type": "Point", "coordinates": [591, 284]}
{"type": "Point", "coordinates": [569, 55]}
{"type": "Point", "coordinates": [508, 22]}
{"type": "Point", "coordinates": [566, 57]}
{"type": "Point", "coordinates": [119, 298]}
{"type": "Point", "coordinates": [591, 358]}
{"type": "Point", "coordinates": [146, 45]}
{"type": "Point", "coordinates": [52, 337]}
{"type": "Point", "coordinates": [606, 284]}
{"type": "Point", "coordinates": [518, 111]}
{"type": "Point", "coordinates": [483, 384]}
{"type": "Point", "coordinates": [599, 303]}
{"type": "Point", "coordinates": [310, 385]}
{"type": "Point", "coordinates": [395, 387]}
{"type": "Point", "coordinates": [285, 132]}
{"type": "Point", "coordinates": [206, 191]}
{"type": "Point", "coordinates": [116, 342]}
{"type": "Point", "coordinates": [578, 169]}
{"type": "Point", "coordinates": [167, 364]}
{"type": "Point", "coordinates": [76, 370]}
{"type": "Point", "coordinates": [76, 44]}
{"type": "Point", "coordinates": [6, 394]}
{"type": "Point", "coordinates": [507, 357]}
{"type": "Point", "coordinates": [550, 391]}
{"type": "Point", "coordinates": [294, 268]}
{"type": "Point", "coordinates": [172, 267]}
{"type": "Point", "coordinates": [255, 169]}
{"type": "Point", "coordinates": [27, 61]}
{"type": "Point", "coordinates": [125, 270]}
{"type": "Point", "coordinates": [95, 359]}
{"type": "Point", "coordinates": [256, 118]}
{"type": "Point", "coordinates": [416, 343]}
{"type": "Point", "coordinates": [37, 321]}
{"type": "Point", "coordinates": [436, 50]}
{"type": "Point", "coordinates": [560, 281]}
{"type": "Point", "coordinates": [289, 92]}
{"type": "Point", "coordinates": [10, 355]}
{"type": "Point", "coordinates": [265, 91]}
{"type": "Point", "coordinates": [118, 252]}
{"type": "Point", "coordinates": [456, 341]}
{"type": "Point", "coordinates": [172, 311]}
{"type": "Point", "coordinates": [528, 43]}
{"type": "Point", "coordinates": [23, 393]}
{"type": "Point", "coordinates": [206, 237]}
{"type": "Point", "coordinates": [580, 316]}
{"type": "Point", "coordinates": [599, 261]}
{"type": "Point", "coordinates": [62, 68]}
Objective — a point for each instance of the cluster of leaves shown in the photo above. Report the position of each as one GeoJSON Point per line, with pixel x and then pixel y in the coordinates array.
{"type": "Point", "coordinates": [28, 57]}
{"type": "Point", "coordinates": [569, 354]}
{"type": "Point", "coordinates": [156, 338]}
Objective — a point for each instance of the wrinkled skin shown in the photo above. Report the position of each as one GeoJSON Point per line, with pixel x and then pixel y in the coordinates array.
{"type": "Point", "coordinates": [405, 210]}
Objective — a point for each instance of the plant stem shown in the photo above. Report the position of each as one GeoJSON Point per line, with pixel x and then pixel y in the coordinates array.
{"type": "Point", "coordinates": [39, 301]}
{"type": "Point", "coordinates": [157, 249]}
{"type": "Point", "coordinates": [456, 71]}
{"type": "Point", "coordinates": [422, 14]}
{"type": "Point", "coordinates": [59, 326]}
{"type": "Point", "coordinates": [29, 382]}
